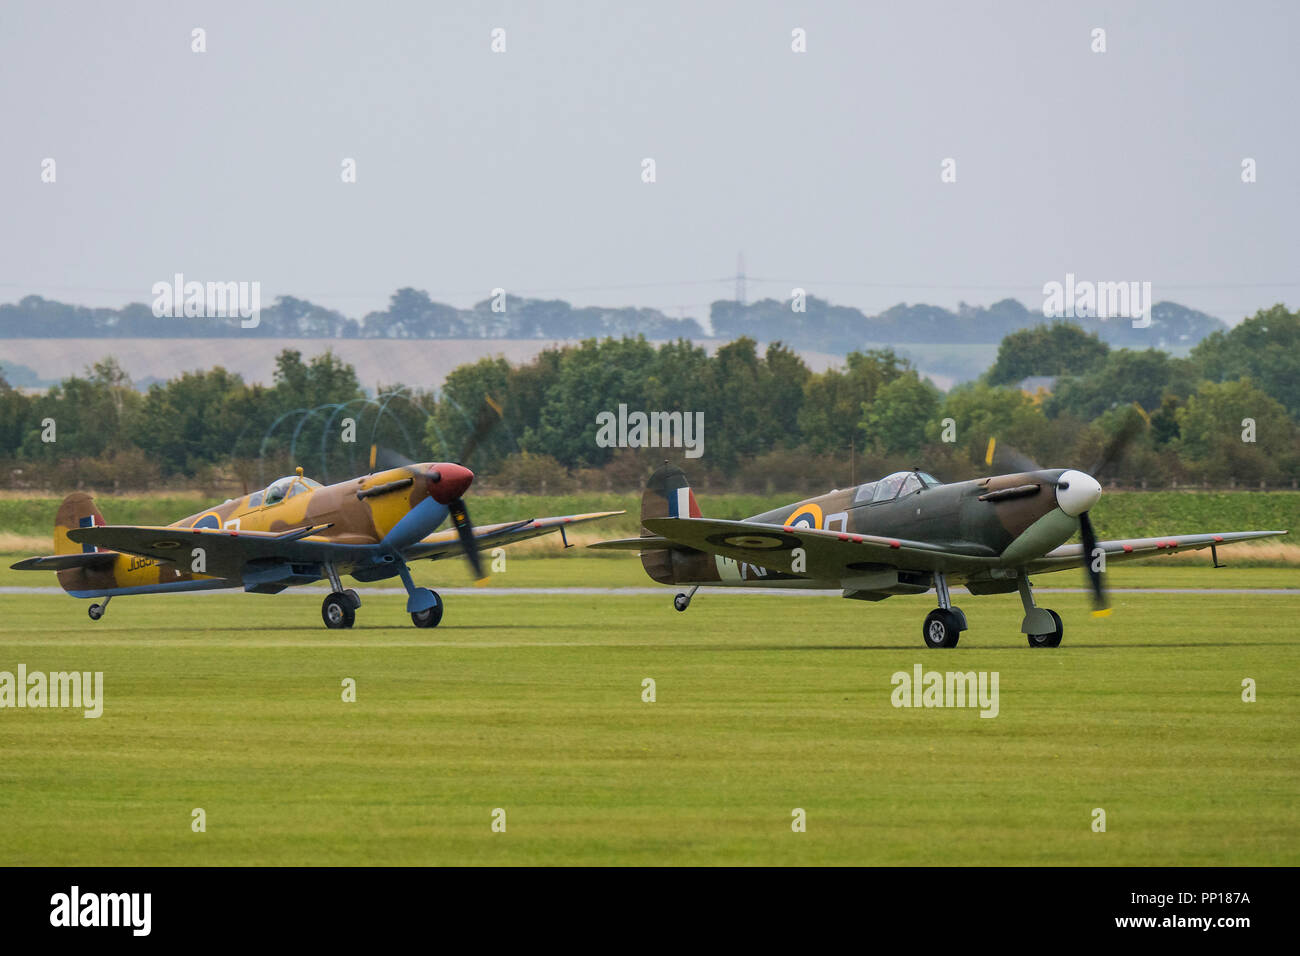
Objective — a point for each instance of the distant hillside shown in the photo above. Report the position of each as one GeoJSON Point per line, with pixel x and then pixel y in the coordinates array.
{"type": "Point", "coordinates": [841, 329]}
{"type": "Point", "coordinates": [21, 376]}
{"type": "Point", "coordinates": [411, 314]}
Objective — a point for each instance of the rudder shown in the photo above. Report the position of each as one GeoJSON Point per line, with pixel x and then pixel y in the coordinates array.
{"type": "Point", "coordinates": [667, 495]}
{"type": "Point", "coordinates": [77, 511]}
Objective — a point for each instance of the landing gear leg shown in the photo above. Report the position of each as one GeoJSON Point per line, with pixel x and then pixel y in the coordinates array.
{"type": "Point", "coordinates": [943, 625]}
{"type": "Point", "coordinates": [1041, 625]}
{"type": "Point", "coordinates": [336, 586]}
{"type": "Point", "coordinates": [96, 611]}
{"type": "Point", "coordinates": [424, 605]}
{"type": "Point", "coordinates": [682, 601]}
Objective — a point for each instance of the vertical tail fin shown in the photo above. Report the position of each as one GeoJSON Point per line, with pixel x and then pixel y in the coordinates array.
{"type": "Point", "coordinates": [667, 495]}
{"type": "Point", "coordinates": [77, 511]}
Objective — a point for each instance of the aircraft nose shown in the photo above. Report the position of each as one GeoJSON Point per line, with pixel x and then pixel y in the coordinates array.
{"type": "Point", "coordinates": [447, 482]}
{"type": "Point", "coordinates": [1077, 492]}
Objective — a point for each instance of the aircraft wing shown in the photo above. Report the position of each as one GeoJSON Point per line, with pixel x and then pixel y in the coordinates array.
{"type": "Point", "coordinates": [445, 544]}
{"type": "Point", "coordinates": [831, 555]}
{"type": "Point", "coordinates": [61, 562]}
{"type": "Point", "coordinates": [226, 552]}
{"type": "Point", "coordinates": [646, 542]}
{"type": "Point", "coordinates": [1126, 549]}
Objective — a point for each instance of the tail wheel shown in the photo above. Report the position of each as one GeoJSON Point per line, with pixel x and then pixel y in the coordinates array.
{"type": "Point", "coordinates": [337, 611]}
{"type": "Point", "coordinates": [1049, 640]}
{"type": "Point", "coordinates": [430, 617]}
{"type": "Point", "coordinates": [942, 628]}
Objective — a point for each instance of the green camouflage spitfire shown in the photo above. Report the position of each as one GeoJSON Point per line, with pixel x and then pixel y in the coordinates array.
{"type": "Point", "coordinates": [903, 534]}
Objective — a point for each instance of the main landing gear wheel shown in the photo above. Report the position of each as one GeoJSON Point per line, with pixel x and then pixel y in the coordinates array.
{"type": "Point", "coordinates": [1049, 640]}
{"type": "Point", "coordinates": [682, 601]}
{"type": "Point", "coordinates": [430, 617]}
{"type": "Point", "coordinates": [95, 611]}
{"type": "Point", "coordinates": [942, 628]}
{"type": "Point", "coordinates": [337, 611]}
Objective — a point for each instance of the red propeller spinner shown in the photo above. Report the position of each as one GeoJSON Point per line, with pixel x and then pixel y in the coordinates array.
{"type": "Point", "coordinates": [447, 482]}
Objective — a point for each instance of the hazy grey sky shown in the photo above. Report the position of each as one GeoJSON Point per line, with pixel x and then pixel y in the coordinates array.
{"type": "Point", "coordinates": [523, 169]}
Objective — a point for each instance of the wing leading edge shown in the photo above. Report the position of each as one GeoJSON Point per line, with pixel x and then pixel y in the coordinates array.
{"type": "Point", "coordinates": [445, 544]}
{"type": "Point", "coordinates": [1127, 549]}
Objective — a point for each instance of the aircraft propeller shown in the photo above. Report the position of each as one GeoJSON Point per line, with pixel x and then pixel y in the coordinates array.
{"type": "Point", "coordinates": [1100, 605]}
{"type": "Point", "coordinates": [1134, 422]}
{"type": "Point", "coordinates": [489, 416]}
{"type": "Point", "coordinates": [457, 478]}
{"type": "Point", "coordinates": [465, 531]}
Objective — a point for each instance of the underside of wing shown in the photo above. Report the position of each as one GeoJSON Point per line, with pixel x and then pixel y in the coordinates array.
{"type": "Point", "coordinates": [648, 542]}
{"type": "Point", "coordinates": [827, 555]}
{"type": "Point", "coordinates": [62, 562]}
{"type": "Point", "coordinates": [445, 544]}
{"type": "Point", "coordinates": [1127, 549]}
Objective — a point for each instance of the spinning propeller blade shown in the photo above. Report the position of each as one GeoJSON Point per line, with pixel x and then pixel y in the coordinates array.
{"type": "Point", "coordinates": [1008, 457]}
{"type": "Point", "coordinates": [1134, 423]}
{"type": "Point", "coordinates": [1100, 605]}
{"type": "Point", "coordinates": [489, 417]}
{"type": "Point", "coordinates": [465, 529]}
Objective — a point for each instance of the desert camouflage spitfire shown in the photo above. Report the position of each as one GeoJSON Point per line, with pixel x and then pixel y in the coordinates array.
{"type": "Point", "coordinates": [295, 531]}
{"type": "Point", "coordinates": [902, 534]}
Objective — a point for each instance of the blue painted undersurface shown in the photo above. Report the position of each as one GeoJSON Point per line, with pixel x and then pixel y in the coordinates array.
{"type": "Point", "coordinates": [420, 522]}
{"type": "Point", "coordinates": [204, 585]}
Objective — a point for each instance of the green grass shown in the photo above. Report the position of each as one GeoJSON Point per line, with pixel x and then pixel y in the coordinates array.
{"type": "Point", "coordinates": [35, 514]}
{"type": "Point", "coordinates": [533, 704]}
{"type": "Point", "coordinates": [1137, 514]}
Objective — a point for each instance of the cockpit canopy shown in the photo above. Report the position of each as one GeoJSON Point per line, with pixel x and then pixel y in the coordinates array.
{"type": "Point", "coordinates": [283, 489]}
{"type": "Point", "coordinates": [893, 486]}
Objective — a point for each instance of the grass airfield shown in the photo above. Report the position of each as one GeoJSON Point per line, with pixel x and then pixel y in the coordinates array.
{"type": "Point", "coordinates": [533, 703]}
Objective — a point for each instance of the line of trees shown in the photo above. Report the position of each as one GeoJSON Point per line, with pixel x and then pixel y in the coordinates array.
{"type": "Point", "coordinates": [838, 329]}
{"type": "Point", "coordinates": [411, 314]}
{"type": "Point", "coordinates": [1227, 412]}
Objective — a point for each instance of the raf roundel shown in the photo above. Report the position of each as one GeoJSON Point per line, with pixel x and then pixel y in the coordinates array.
{"type": "Point", "coordinates": [807, 516]}
{"type": "Point", "coordinates": [755, 542]}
